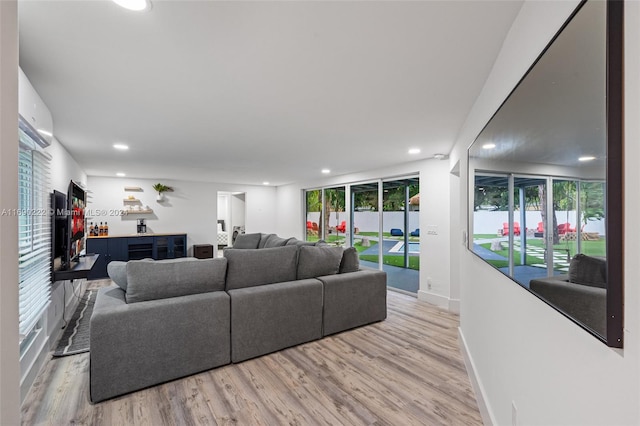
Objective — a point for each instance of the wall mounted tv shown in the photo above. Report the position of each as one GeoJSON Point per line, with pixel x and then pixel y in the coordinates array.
{"type": "Point", "coordinates": [77, 199]}
{"type": "Point", "coordinates": [59, 231]}
{"type": "Point", "coordinates": [67, 226]}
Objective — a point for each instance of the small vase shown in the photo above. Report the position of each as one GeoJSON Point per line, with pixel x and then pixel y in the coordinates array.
{"type": "Point", "coordinates": [160, 196]}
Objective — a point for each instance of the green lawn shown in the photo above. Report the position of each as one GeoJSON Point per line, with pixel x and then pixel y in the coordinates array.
{"type": "Point", "coordinates": [414, 261]}
{"type": "Point", "coordinates": [592, 248]}
{"type": "Point", "coordinates": [484, 236]}
{"type": "Point", "coordinates": [332, 238]}
{"type": "Point", "coordinates": [530, 260]}
{"type": "Point", "coordinates": [386, 235]}
{"type": "Point", "coordinates": [359, 247]}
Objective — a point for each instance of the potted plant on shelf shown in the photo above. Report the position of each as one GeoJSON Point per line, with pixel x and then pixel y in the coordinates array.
{"type": "Point", "coordinates": [161, 189]}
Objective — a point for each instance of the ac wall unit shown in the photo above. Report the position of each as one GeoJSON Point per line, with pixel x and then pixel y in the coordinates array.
{"type": "Point", "coordinates": [33, 110]}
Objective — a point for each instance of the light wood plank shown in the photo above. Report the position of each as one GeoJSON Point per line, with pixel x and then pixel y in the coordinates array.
{"type": "Point", "coordinates": [405, 370]}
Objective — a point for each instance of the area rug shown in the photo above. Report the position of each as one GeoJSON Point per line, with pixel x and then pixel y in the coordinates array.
{"type": "Point", "coordinates": [75, 339]}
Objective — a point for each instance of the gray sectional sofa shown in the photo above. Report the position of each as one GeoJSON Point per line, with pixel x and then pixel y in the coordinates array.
{"type": "Point", "coordinates": [582, 293]}
{"type": "Point", "coordinates": [173, 318]}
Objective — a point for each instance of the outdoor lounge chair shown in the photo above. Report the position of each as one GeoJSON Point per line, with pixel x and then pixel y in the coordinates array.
{"type": "Point", "coordinates": [342, 227]}
{"type": "Point", "coordinates": [563, 228]}
{"type": "Point", "coordinates": [395, 232]}
{"type": "Point", "coordinates": [505, 228]}
{"type": "Point", "coordinates": [415, 233]}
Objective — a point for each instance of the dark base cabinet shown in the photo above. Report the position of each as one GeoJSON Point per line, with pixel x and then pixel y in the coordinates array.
{"type": "Point", "coordinates": [202, 251]}
{"type": "Point", "coordinates": [133, 248]}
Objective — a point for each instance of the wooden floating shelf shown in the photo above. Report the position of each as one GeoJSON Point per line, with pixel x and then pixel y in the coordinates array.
{"type": "Point", "coordinates": [128, 212]}
{"type": "Point", "coordinates": [131, 200]}
{"type": "Point", "coordinates": [133, 188]}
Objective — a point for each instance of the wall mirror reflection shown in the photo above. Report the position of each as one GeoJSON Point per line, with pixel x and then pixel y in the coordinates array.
{"type": "Point", "coordinates": [544, 176]}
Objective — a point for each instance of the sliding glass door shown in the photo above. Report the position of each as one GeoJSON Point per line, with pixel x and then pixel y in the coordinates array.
{"type": "Point", "coordinates": [366, 223]}
{"type": "Point", "coordinates": [379, 218]}
{"type": "Point", "coordinates": [532, 226]}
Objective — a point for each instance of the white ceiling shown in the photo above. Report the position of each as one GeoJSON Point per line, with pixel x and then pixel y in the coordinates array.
{"type": "Point", "coordinates": [246, 92]}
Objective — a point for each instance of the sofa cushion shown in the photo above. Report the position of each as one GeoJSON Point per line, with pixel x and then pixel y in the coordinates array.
{"type": "Point", "coordinates": [588, 270]}
{"type": "Point", "coordinates": [172, 278]}
{"type": "Point", "coordinates": [117, 271]}
{"type": "Point", "coordinates": [263, 240]}
{"type": "Point", "coordinates": [297, 242]}
{"type": "Point", "coordinates": [350, 261]}
{"type": "Point", "coordinates": [318, 261]}
{"type": "Point", "coordinates": [273, 240]}
{"type": "Point", "coordinates": [250, 268]}
{"type": "Point", "coordinates": [247, 241]}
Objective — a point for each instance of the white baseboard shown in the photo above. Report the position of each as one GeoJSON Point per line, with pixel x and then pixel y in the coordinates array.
{"type": "Point", "coordinates": [476, 383]}
{"type": "Point", "coordinates": [452, 305]}
{"type": "Point", "coordinates": [434, 299]}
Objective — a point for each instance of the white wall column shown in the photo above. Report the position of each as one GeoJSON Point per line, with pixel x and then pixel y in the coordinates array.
{"type": "Point", "coordinates": [9, 349]}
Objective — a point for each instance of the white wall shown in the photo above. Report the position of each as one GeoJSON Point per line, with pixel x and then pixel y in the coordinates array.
{"type": "Point", "coordinates": [191, 208]}
{"type": "Point", "coordinates": [521, 350]}
{"type": "Point", "coordinates": [238, 210]}
{"type": "Point", "coordinates": [64, 168]}
{"type": "Point", "coordinates": [9, 371]}
{"type": "Point", "coordinates": [435, 223]}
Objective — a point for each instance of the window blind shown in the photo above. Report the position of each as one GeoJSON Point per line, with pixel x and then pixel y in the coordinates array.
{"type": "Point", "coordinates": [34, 233]}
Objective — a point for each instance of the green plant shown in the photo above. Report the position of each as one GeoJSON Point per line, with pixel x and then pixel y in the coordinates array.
{"type": "Point", "coordinates": [160, 188]}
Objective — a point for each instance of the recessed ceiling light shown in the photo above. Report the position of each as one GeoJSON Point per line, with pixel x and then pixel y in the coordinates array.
{"type": "Point", "coordinates": [439, 156]}
{"type": "Point", "coordinates": [326, 171]}
{"type": "Point", "coordinates": [586, 158]}
{"type": "Point", "coordinates": [265, 183]}
{"type": "Point", "coordinates": [414, 151]}
{"type": "Point", "coordinates": [120, 174]}
{"type": "Point", "coordinates": [135, 5]}
{"type": "Point", "coordinates": [489, 146]}
{"type": "Point", "coordinates": [121, 146]}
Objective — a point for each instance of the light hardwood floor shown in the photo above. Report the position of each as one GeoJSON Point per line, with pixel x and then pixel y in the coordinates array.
{"type": "Point", "coordinates": [406, 370]}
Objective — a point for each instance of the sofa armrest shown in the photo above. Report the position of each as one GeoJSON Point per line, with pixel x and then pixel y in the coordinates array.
{"type": "Point", "coordinates": [353, 299]}
{"type": "Point", "coordinates": [586, 304]}
{"type": "Point", "coordinates": [137, 345]}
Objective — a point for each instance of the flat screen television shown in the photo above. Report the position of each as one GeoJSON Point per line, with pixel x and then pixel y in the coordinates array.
{"type": "Point", "coordinates": [77, 199]}
{"type": "Point", "coordinates": [59, 231]}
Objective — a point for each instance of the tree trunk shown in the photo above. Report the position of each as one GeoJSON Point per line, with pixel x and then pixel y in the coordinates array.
{"type": "Point", "coordinates": [542, 191]}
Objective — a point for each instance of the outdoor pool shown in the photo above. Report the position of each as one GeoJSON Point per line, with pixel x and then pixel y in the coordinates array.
{"type": "Point", "coordinates": [414, 248]}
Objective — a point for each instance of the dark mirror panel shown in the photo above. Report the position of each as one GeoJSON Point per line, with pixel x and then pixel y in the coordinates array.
{"type": "Point", "coordinates": [541, 175]}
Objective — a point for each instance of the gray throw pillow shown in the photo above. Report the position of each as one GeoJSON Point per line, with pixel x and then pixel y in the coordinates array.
{"type": "Point", "coordinates": [315, 261]}
{"type": "Point", "coordinates": [588, 270]}
{"type": "Point", "coordinates": [273, 240]}
{"type": "Point", "coordinates": [172, 278]}
{"type": "Point", "coordinates": [247, 241]}
{"type": "Point", "coordinates": [117, 271]}
{"type": "Point", "coordinates": [263, 240]}
{"type": "Point", "coordinates": [296, 242]}
{"type": "Point", "coordinates": [350, 261]}
{"type": "Point", "coordinates": [250, 268]}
